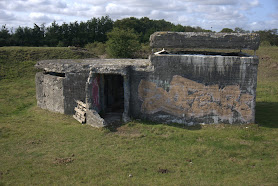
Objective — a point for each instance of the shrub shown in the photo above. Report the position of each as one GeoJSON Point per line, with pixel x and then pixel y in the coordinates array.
{"type": "Point", "coordinates": [61, 44]}
{"type": "Point", "coordinates": [98, 48]}
{"type": "Point", "coordinates": [122, 43]}
{"type": "Point", "coordinates": [265, 43]}
{"type": "Point", "coordinates": [144, 51]}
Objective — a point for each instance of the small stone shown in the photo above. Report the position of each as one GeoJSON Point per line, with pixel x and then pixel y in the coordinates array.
{"type": "Point", "coordinates": [130, 175]}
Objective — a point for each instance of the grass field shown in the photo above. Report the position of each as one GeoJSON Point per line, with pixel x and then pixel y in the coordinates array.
{"type": "Point", "coordinates": [38, 147]}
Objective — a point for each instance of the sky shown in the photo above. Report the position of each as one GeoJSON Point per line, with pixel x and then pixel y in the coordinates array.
{"type": "Point", "coordinates": [208, 14]}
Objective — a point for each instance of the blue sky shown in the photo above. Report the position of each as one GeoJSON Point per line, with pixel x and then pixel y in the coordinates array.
{"type": "Point", "coordinates": [215, 14]}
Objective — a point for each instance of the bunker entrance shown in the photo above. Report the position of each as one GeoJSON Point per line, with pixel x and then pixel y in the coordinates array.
{"type": "Point", "coordinates": [113, 98]}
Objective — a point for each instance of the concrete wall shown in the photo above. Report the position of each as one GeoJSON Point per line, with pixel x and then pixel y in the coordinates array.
{"type": "Point", "coordinates": [58, 94]}
{"type": "Point", "coordinates": [50, 92]}
{"type": "Point", "coordinates": [186, 89]}
{"type": "Point", "coordinates": [74, 89]}
{"type": "Point", "coordinates": [193, 89]}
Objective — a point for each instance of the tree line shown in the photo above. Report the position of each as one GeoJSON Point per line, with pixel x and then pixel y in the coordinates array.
{"type": "Point", "coordinates": [96, 30]}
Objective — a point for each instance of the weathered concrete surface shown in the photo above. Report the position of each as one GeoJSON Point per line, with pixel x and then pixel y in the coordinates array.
{"type": "Point", "coordinates": [204, 40]}
{"type": "Point", "coordinates": [193, 89]}
{"type": "Point", "coordinates": [74, 89]}
{"type": "Point", "coordinates": [58, 94]}
{"type": "Point", "coordinates": [94, 119]}
{"type": "Point", "coordinates": [167, 88]}
{"type": "Point", "coordinates": [50, 92]}
{"type": "Point", "coordinates": [86, 65]}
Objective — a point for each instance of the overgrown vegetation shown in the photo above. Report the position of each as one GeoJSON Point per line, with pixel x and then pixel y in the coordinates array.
{"type": "Point", "coordinates": [97, 48]}
{"type": "Point", "coordinates": [38, 147]}
{"type": "Point", "coordinates": [122, 43]}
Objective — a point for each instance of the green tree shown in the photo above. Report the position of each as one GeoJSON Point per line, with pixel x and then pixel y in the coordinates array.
{"type": "Point", "coordinates": [178, 28]}
{"type": "Point", "coordinates": [270, 36]}
{"type": "Point", "coordinates": [37, 36]}
{"type": "Point", "coordinates": [227, 30]}
{"type": "Point", "coordinates": [53, 34]}
{"type": "Point", "coordinates": [122, 43]}
{"type": "Point", "coordinates": [4, 36]}
{"type": "Point", "coordinates": [104, 25]}
{"type": "Point", "coordinates": [92, 27]}
{"type": "Point", "coordinates": [23, 36]}
{"type": "Point", "coordinates": [240, 30]}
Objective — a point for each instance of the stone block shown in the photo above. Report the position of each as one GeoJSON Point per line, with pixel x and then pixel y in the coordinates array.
{"type": "Point", "coordinates": [94, 119]}
{"type": "Point", "coordinates": [205, 40]}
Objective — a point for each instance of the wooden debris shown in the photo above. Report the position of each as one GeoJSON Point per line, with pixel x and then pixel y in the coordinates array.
{"type": "Point", "coordinates": [80, 112]}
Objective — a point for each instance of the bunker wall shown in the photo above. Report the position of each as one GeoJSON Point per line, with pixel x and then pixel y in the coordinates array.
{"type": "Point", "coordinates": [58, 94]}
{"type": "Point", "coordinates": [74, 89]}
{"type": "Point", "coordinates": [192, 89]}
{"type": "Point", "coordinates": [50, 94]}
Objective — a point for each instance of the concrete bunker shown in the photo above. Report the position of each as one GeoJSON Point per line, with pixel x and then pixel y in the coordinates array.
{"type": "Point", "coordinates": [172, 86]}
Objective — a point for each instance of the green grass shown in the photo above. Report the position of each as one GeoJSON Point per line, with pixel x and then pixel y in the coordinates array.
{"type": "Point", "coordinates": [19, 61]}
{"type": "Point", "coordinates": [38, 147]}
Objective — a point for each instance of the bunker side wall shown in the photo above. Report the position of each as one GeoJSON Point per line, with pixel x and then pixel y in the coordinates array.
{"type": "Point", "coordinates": [49, 92]}
{"type": "Point", "coordinates": [74, 89]}
{"type": "Point", "coordinates": [191, 89]}
{"type": "Point", "coordinates": [58, 94]}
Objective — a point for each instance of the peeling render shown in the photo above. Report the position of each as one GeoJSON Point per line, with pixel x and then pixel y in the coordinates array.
{"type": "Point", "coordinates": [189, 99]}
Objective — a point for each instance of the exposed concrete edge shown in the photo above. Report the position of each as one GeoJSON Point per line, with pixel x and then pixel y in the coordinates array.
{"type": "Point", "coordinates": [85, 65]}
{"type": "Point", "coordinates": [254, 60]}
{"type": "Point", "coordinates": [205, 40]}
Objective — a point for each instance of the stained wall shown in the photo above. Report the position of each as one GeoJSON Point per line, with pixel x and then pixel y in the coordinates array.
{"type": "Point", "coordinates": [192, 89]}
{"type": "Point", "coordinates": [58, 94]}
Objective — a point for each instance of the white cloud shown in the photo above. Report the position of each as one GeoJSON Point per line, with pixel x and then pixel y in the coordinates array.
{"type": "Point", "coordinates": [263, 25]}
{"type": "Point", "coordinates": [6, 16]}
{"type": "Point", "coordinates": [39, 17]}
{"type": "Point", "coordinates": [203, 13]}
{"type": "Point", "coordinates": [275, 16]}
{"type": "Point", "coordinates": [247, 5]}
{"type": "Point", "coordinates": [215, 2]}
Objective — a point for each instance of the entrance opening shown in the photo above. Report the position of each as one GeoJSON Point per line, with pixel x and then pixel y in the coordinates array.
{"type": "Point", "coordinates": [113, 98]}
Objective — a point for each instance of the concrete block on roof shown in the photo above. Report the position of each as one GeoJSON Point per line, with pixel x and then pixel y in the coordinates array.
{"type": "Point", "coordinates": [205, 40]}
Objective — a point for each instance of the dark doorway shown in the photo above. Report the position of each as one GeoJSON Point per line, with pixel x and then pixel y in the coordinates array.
{"type": "Point", "coordinates": [113, 97]}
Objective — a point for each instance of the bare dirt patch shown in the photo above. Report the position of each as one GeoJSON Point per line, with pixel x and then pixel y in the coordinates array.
{"type": "Point", "coordinates": [274, 66]}
{"type": "Point", "coordinates": [34, 142]}
{"type": "Point", "coordinates": [163, 171]}
{"type": "Point", "coordinates": [265, 58]}
{"type": "Point", "coordinates": [63, 161]}
{"type": "Point", "coordinates": [128, 132]}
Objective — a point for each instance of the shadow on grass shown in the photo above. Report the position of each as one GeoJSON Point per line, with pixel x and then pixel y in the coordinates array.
{"type": "Point", "coordinates": [182, 126]}
{"type": "Point", "coordinates": [267, 114]}
{"type": "Point", "coordinates": [114, 127]}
